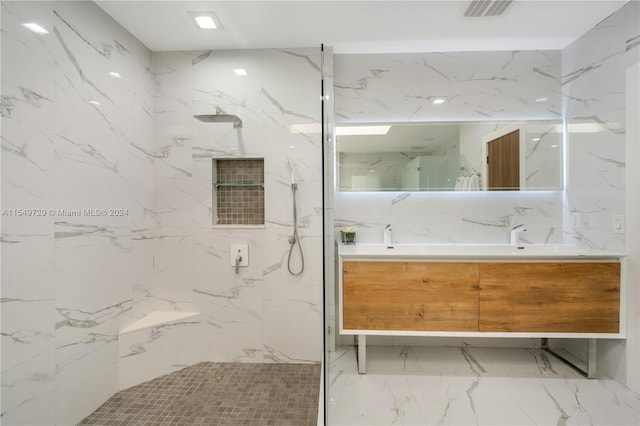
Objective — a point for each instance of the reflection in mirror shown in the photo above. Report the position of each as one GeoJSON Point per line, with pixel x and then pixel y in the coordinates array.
{"type": "Point", "coordinates": [450, 156]}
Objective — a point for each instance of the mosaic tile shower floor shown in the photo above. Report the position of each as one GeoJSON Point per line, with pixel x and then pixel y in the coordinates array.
{"type": "Point", "coordinates": [219, 394]}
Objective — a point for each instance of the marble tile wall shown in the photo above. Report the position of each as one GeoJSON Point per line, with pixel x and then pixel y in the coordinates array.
{"type": "Point", "coordinates": [400, 87]}
{"type": "Point", "coordinates": [69, 272]}
{"type": "Point", "coordinates": [28, 291]}
{"type": "Point", "coordinates": [477, 86]}
{"type": "Point", "coordinates": [452, 217]}
{"type": "Point", "coordinates": [261, 314]}
{"type": "Point", "coordinates": [632, 207]}
{"type": "Point", "coordinates": [593, 88]}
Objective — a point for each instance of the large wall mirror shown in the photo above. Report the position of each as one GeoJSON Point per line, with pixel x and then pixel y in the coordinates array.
{"type": "Point", "coordinates": [450, 156]}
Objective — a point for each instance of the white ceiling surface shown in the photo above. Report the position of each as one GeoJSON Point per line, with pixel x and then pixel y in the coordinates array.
{"type": "Point", "coordinates": [359, 26]}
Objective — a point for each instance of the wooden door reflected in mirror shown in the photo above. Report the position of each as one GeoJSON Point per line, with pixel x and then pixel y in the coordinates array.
{"type": "Point", "coordinates": [503, 163]}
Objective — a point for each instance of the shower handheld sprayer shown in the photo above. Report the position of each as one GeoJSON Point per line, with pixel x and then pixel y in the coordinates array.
{"type": "Point", "coordinates": [292, 173]}
{"type": "Point", "coordinates": [294, 239]}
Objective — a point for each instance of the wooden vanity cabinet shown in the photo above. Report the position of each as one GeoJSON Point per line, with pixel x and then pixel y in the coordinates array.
{"type": "Point", "coordinates": [550, 297]}
{"type": "Point", "coordinates": [535, 297]}
{"type": "Point", "coordinates": [410, 296]}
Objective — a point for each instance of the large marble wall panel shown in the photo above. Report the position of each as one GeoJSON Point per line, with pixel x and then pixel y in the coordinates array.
{"type": "Point", "coordinates": [632, 207]}
{"type": "Point", "coordinates": [369, 212]}
{"type": "Point", "coordinates": [143, 244]}
{"type": "Point", "coordinates": [172, 134]}
{"type": "Point", "coordinates": [477, 218]}
{"type": "Point", "coordinates": [175, 204]}
{"type": "Point", "coordinates": [28, 293]}
{"type": "Point", "coordinates": [93, 293]}
{"type": "Point", "coordinates": [278, 103]}
{"type": "Point", "coordinates": [593, 77]}
{"type": "Point", "coordinates": [95, 140]}
{"type": "Point", "coordinates": [68, 276]}
{"type": "Point", "coordinates": [230, 303]}
{"type": "Point", "coordinates": [476, 86]}
{"type": "Point", "coordinates": [452, 218]}
{"type": "Point", "coordinates": [293, 308]}
{"type": "Point", "coordinates": [93, 134]}
{"type": "Point", "coordinates": [171, 289]}
{"type": "Point", "coordinates": [594, 93]}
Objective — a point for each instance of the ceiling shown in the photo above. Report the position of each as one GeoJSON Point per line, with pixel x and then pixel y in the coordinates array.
{"type": "Point", "coordinates": [359, 26]}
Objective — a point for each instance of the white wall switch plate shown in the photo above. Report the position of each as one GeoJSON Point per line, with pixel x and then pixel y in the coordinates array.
{"type": "Point", "coordinates": [618, 224]}
{"type": "Point", "coordinates": [241, 250]}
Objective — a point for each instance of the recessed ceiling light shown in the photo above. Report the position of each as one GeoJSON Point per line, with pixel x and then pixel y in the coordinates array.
{"type": "Point", "coordinates": [206, 20]}
{"type": "Point", "coordinates": [535, 139]}
{"type": "Point", "coordinates": [292, 146]}
{"type": "Point", "coordinates": [438, 101]}
{"type": "Point", "coordinates": [554, 146]}
{"type": "Point", "coordinates": [240, 71]}
{"type": "Point", "coordinates": [362, 130]}
{"type": "Point", "coordinates": [96, 103]}
{"type": "Point", "coordinates": [35, 28]}
{"type": "Point", "coordinates": [542, 99]}
{"type": "Point", "coordinates": [115, 74]}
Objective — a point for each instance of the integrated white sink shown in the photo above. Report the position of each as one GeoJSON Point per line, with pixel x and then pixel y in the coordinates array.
{"type": "Point", "coordinates": [467, 250]}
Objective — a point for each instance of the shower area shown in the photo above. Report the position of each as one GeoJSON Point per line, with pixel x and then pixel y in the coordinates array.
{"type": "Point", "coordinates": [95, 305]}
{"type": "Point", "coordinates": [238, 206]}
{"type": "Point", "coordinates": [203, 113]}
{"type": "Point", "coordinates": [229, 298]}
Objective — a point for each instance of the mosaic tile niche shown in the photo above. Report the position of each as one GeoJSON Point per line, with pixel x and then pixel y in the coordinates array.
{"type": "Point", "coordinates": [238, 186]}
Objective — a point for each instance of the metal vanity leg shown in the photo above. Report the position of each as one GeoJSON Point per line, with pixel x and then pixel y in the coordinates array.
{"type": "Point", "coordinates": [362, 354]}
{"type": "Point", "coordinates": [591, 359]}
{"type": "Point", "coordinates": [589, 369]}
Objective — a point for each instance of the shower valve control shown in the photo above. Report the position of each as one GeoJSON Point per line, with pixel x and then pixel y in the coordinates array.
{"type": "Point", "coordinates": [239, 253]}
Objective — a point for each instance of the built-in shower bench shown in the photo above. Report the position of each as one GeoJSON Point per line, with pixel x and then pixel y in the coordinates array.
{"type": "Point", "coordinates": [158, 343]}
{"type": "Point", "coordinates": [493, 291]}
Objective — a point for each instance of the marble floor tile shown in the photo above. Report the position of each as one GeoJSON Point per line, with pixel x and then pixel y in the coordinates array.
{"type": "Point", "coordinates": [470, 386]}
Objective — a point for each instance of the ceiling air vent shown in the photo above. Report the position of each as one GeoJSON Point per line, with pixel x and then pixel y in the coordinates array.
{"type": "Point", "coordinates": [478, 8]}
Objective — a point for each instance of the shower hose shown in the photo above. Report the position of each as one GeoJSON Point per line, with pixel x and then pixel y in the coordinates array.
{"type": "Point", "coordinates": [295, 240]}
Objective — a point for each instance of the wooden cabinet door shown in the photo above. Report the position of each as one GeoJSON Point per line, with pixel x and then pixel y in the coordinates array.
{"type": "Point", "coordinates": [414, 296]}
{"type": "Point", "coordinates": [550, 297]}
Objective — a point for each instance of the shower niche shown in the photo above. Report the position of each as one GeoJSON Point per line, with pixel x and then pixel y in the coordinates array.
{"type": "Point", "coordinates": [238, 192]}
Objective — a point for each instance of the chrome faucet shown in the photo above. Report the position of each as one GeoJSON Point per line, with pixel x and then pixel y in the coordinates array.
{"type": "Point", "coordinates": [387, 235]}
{"type": "Point", "coordinates": [514, 237]}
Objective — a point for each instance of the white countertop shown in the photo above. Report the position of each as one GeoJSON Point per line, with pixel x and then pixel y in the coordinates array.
{"type": "Point", "coordinates": [470, 251]}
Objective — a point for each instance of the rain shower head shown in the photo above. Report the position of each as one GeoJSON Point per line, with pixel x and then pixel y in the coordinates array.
{"type": "Point", "coordinates": [220, 117]}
